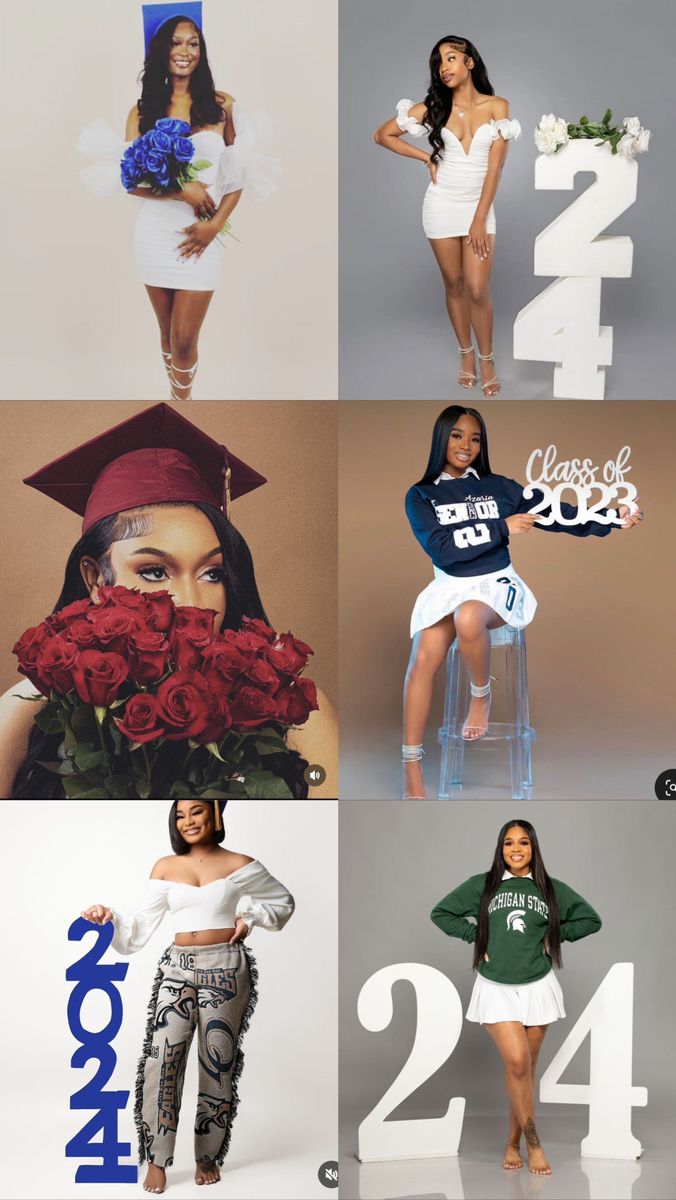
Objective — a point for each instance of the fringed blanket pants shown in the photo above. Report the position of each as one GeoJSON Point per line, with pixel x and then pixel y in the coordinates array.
{"type": "Point", "coordinates": [211, 989]}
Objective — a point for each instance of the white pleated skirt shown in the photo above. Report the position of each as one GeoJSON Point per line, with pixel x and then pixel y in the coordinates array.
{"type": "Point", "coordinates": [504, 591]}
{"type": "Point", "coordinates": [537, 1003]}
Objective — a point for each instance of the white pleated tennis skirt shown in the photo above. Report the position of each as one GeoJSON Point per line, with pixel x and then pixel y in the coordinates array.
{"type": "Point", "coordinates": [537, 1003]}
{"type": "Point", "coordinates": [502, 590]}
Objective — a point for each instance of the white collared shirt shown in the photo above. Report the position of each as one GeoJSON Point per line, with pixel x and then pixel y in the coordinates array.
{"type": "Point", "coordinates": [508, 875]}
{"type": "Point", "coordinates": [445, 475]}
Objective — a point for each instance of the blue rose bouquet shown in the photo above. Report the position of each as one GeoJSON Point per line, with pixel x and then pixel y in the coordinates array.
{"type": "Point", "coordinates": [161, 159]}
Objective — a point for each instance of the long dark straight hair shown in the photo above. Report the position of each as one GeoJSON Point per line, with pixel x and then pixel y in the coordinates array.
{"type": "Point", "coordinates": [439, 98]}
{"type": "Point", "coordinates": [445, 422]}
{"type": "Point", "coordinates": [178, 843]}
{"type": "Point", "coordinates": [156, 84]}
{"type": "Point", "coordinates": [542, 882]}
{"type": "Point", "coordinates": [33, 782]}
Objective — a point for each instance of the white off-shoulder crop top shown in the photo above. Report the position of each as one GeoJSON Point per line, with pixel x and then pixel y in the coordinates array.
{"type": "Point", "coordinates": [250, 893]}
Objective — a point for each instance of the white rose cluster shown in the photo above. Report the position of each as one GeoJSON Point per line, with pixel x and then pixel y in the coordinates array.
{"type": "Point", "coordinates": [550, 133]}
{"type": "Point", "coordinates": [635, 138]}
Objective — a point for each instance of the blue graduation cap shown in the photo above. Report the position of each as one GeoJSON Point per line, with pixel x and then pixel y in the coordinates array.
{"type": "Point", "coordinates": [155, 15]}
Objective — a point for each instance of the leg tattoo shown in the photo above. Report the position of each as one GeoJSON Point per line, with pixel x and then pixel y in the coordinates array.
{"type": "Point", "coordinates": [531, 1134]}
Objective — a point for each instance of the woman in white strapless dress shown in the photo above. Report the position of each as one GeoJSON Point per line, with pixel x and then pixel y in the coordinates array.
{"type": "Point", "coordinates": [468, 127]}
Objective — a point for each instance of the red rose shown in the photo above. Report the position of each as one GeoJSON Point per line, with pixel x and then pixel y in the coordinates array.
{"type": "Point", "coordinates": [282, 659]}
{"type": "Point", "coordinates": [27, 650]}
{"type": "Point", "coordinates": [220, 718]}
{"type": "Point", "coordinates": [193, 631]}
{"type": "Point", "coordinates": [113, 626]}
{"type": "Point", "coordinates": [299, 651]}
{"type": "Point", "coordinates": [223, 659]}
{"type": "Point", "coordinates": [148, 655]}
{"type": "Point", "coordinates": [182, 705]}
{"type": "Point", "coordinates": [263, 676]}
{"type": "Point", "coordinates": [57, 659]}
{"type": "Point", "coordinates": [295, 703]}
{"type": "Point", "coordinates": [249, 644]}
{"type": "Point", "coordinates": [159, 610]}
{"type": "Point", "coordinates": [121, 597]}
{"type": "Point", "coordinates": [98, 677]}
{"type": "Point", "coordinates": [65, 616]}
{"type": "Point", "coordinates": [251, 707]}
{"type": "Point", "coordinates": [82, 633]}
{"type": "Point", "coordinates": [254, 625]}
{"type": "Point", "coordinates": [140, 722]}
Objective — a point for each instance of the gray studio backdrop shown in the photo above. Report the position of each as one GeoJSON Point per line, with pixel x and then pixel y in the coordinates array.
{"type": "Point", "coordinates": [397, 860]}
{"type": "Point", "coordinates": [571, 59]}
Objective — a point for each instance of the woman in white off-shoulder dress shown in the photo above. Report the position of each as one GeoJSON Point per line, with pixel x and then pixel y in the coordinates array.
{"type": "Point", "coordinates": [468, 127]}
{"type": "Point", "coordinates": [176, 240]}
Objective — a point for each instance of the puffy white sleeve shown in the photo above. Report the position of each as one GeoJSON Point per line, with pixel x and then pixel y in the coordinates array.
{"type": "Point", "coordinates": [100, 142]}
{"type": "Point", "coordinates": [406, 122]}
{"type": "Point", "coordinates": [263, 899]}
{"type": "Point", "coordinates": [242, 165]}
{"type": "Point", "coordinates": [134, 929]}
{"type": "Point", "coordinates": [506, 129]}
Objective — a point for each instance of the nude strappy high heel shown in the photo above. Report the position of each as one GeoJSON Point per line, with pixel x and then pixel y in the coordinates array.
{"type": "Point", "coordinates": [185, 387]}
{"type": "Point", "coordinates": [467, 374]}
{"type": "Point", "coordinates": [478, 693]}
{"type": "Point", "coordinates": [411, 754]}
{"type": "Point", "coordinates": [490, 383]}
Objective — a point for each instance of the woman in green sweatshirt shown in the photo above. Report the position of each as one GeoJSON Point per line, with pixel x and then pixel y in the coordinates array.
{"type": "Point", "coordinates": [522, 917]}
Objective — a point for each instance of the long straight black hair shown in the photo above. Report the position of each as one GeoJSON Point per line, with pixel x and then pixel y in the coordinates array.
{"type": "Point", "coordinates": [33, 782]}
{"type": "Point", "coordinates": [542, 882]}
{"type": "Point", "coordinates": [439, 98]}
{"type": "Point", "coordinates": [156, 85]}
{"type": "Point", "coordinates": [445, 422]}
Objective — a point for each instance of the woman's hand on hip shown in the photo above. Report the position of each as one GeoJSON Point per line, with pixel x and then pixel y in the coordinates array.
{"type": "Point", "coordinates": [241, 931]}
{"type": "Point", "coordinates": [432, 168]}
{"type": "Point", "coordinates": [520, 523]}
{"type": "Point", "coordinates": [477, 238]}
{"type": "Point", "coordinates": [197, 195]}
{"type": "Point", "coordinates": [98, 914]}
{"type": "Point", "coordinates": [629, 518]}
{"type": "Point", "coordinates": [198, 237]}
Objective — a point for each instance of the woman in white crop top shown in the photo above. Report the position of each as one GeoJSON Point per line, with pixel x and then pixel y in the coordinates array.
{"type": "Point", "coordinates": [205, 981]}
{"type": "Point", "coordinates": [468, 128]}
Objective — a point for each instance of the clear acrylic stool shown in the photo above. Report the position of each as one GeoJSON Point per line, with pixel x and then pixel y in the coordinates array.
{"type": "Point", "coordinates": [516, 731]}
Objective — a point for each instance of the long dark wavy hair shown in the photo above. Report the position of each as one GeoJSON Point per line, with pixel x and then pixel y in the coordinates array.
{"type": "Point", "coordinates": [445, 422]}
{"type": "Point", "coordinates": [178, 843]}
{"type": "Point", "coordinates": [439, 98]}
{"type": "Point", "coordinates": [156, 84]}
{"type": "Point", "coordinates": [542, 882]}
{"type": "Point", "coordinates": [33, 782]}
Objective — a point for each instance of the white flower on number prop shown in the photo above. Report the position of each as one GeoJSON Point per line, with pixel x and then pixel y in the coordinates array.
{"type": "Point", "coordinates": [551, 133]}
{"type": "Point", "coordinates": [628, 140]}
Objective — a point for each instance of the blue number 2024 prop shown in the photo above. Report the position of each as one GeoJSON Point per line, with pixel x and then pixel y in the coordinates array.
{"type": "Point", "coordinates": [90, 974]}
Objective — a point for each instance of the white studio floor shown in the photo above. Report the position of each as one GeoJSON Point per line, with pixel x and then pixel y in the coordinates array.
{"type": "Point", "coordinates": [476, 1173]}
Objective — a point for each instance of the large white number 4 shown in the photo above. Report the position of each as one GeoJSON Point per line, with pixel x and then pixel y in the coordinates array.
{"type": "Point", "coordinates": [608, 1019]}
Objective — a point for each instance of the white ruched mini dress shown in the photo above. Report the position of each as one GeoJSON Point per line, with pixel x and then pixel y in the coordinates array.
{"type": "Point", "coordinates": [503, 590]}
{"type": "Point", "coordinates": [160, 223]}
{"type": "Point", "coordinates": [450, 203]}
{"type": "Point", "coordinates": [537, 1003]}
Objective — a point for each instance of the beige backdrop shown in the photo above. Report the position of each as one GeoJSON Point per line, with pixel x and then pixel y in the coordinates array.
{"type": "Point", "coordinates": [290, 523]}
{"type": "Point", "coordinates": [76, 322]}
{"type": "Point", "coordinates": [601, 653]}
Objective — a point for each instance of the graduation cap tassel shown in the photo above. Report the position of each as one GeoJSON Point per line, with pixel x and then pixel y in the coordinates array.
{"type": "Point", "coordinates": [226, 490]}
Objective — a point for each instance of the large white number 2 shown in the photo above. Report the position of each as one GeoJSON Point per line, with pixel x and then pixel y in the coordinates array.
{"type": "Point", "coordinates": [471, 535]}
{"type": "Point", "coordinates": [608, 1019]}
{"type": "Point", "coordinates": [562, 323]}
{"type": "Point", "coordinates": [438, 1025]}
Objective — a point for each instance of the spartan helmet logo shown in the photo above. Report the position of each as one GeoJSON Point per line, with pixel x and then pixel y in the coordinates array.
{"type": "Point", "coordinates": [515, 919]}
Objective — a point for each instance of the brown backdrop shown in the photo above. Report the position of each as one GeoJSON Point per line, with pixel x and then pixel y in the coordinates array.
{"type": "Point", "coordinates": [290, 523]}
{"type": "Point", "coordinates": [601, 653]}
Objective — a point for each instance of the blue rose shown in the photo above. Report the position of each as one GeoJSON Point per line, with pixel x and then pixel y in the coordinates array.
{"type": "Point", "coordinates": [184, 150]}
{"type": "Point", "coordinates": [155, 162]}
{"type": "Point", "coordinates": [160, 141]}
{"type": "Point", "coordinates": [172, 126]}
{"type": "Point", "coordinates": [129, 173]}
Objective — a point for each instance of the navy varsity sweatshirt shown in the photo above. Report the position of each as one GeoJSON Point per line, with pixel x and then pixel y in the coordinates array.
{"type": "Point", "coordinates": [461, 523]}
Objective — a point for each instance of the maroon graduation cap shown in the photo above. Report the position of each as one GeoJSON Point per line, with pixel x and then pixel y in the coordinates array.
{"type": "Point", "coordinates": [155, 457]}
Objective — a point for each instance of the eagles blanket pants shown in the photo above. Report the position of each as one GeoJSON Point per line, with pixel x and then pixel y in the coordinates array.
{"type": "Point", "coordinates": [210, 989]}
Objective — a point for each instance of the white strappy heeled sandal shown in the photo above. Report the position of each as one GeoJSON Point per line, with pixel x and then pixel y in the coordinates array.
{"type": "Point", "coordinates": [467, 374]}
{"type": "Point", "coordinates": [490, 382]}
{"type": "Point", "coordinates": [411, 754]}
{"type": "Point", "coordinates": [185, 387]}
{"type": "Point", "coordinates": [478, 693]}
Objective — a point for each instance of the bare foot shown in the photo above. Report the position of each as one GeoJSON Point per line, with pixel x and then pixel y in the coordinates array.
{"type": "Point", "coordinates": [155, 1180]}
{"type": "Point", "coordinates": [512, 1160]}
{"type": "Point", "coordinates": [476, 724]}
{"type": "Point", "coordinates": [206, 1171]}
{"type": "Point", "coordinates": [467, 372]}
{"type": "Point", "coordinates": [414, 784]}
{"type": "Point", "coordinates": [537, 1161]}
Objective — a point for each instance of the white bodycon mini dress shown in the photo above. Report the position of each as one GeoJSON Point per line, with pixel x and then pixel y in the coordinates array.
{"type": "Point", "coordinates": [450, 203]}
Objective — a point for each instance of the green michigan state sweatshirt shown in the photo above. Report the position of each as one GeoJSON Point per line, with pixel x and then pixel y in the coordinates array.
{"type": "Point", "coordinates": [517, 924]}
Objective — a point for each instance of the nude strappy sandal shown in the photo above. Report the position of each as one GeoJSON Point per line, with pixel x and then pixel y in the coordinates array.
{"type": "Point", "coordinates": [491, 382]}
{"type": "Point", "coordinates": [466, 374]}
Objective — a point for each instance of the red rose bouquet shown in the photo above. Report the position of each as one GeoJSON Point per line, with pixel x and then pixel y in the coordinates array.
{"type": "Point", "coordinates": [151, 703]}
